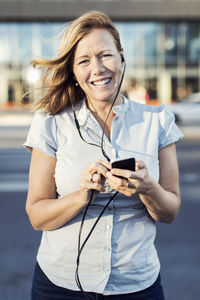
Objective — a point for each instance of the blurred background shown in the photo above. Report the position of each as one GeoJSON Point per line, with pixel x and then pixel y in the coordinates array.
{"type": "Point", "coordinates": [161, 41]}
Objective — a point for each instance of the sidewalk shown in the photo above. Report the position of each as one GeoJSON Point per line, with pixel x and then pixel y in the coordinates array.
{"type": "Point", "coordinates": [15, 118]}
{"type": "Point", "coordinates": [14, 126]}
{"type": "Point", "coordinates": [191, 133]}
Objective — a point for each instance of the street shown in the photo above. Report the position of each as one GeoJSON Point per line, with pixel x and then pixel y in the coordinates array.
{"type": "Point", "coordinates": [178, 244]}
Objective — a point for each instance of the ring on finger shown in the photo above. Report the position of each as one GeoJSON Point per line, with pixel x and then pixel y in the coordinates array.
{"type": "Point", "coordinates": [125, 185]}
{"type": "Point", "coordinates": [90, 178]}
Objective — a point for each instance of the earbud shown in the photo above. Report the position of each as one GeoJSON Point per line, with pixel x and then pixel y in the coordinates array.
{"type": "Point", "coordinates": [122, 58]}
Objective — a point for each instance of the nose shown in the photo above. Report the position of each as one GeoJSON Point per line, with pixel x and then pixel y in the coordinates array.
{"type": "Point", "coordinates": [97, 66]}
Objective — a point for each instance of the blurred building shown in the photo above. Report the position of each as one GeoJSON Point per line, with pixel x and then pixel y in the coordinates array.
{"type": "Point", "coordinates": [161, 40]}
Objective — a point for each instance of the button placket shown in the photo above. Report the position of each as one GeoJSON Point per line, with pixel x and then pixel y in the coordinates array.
{"type": "Point", "coordinates": [107, 244]}
{"type": "Point", "coordinates": [93, 132]}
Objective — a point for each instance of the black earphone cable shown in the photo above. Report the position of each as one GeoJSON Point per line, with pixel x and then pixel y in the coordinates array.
{"type": "Point", "coordinates": [79, 131]}
{"type": "Point", "coordinates": [118, 90]}
{"type": "Point", "coordinates": [77, 279]}
{"type": "Point", "coordinates": [103, 131]}
{"type": "Point", "coordinates": [80, 247]}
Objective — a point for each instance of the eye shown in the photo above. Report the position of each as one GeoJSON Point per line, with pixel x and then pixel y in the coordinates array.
{"type": "Point", "coordinates": [107, 55]}
{"type": "Point", "coordinates": [83, 62]}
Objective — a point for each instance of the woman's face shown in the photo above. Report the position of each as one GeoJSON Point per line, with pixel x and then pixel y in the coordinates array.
{"type": "Point", "coordinates": [98, 65]}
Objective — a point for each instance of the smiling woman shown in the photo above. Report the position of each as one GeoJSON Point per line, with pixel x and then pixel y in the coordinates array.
{"type": "Point", "coordinates": [98, 67]}
{"type": "Point", "coordinates": [63, 90]}
{"type": "Point", "coordinates": [71, 184]}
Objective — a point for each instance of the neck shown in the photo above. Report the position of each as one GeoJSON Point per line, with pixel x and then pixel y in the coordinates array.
{"type": "Point", "coordinates": [100, 112]}
{"type": "Point", "coordinates": [101, 107]}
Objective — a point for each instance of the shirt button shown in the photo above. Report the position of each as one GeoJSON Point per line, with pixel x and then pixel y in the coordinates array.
{"type": "Point", "coordinates": [108, 227]}
{"type": "Point", "coordinates": [113, 151]}
{"type": "Point", "coordinates": [106, 269]}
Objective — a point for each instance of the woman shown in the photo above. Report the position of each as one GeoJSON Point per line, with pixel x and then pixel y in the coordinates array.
{"type": "Point", "coordinates": [68, 166]}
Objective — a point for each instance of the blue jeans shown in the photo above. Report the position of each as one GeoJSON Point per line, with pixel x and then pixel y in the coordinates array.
{"type": "Point", "coordinates": [44, 289]}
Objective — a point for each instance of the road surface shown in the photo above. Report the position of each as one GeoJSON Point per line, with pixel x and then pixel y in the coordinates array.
{"type": "Point", "coordinates": [178, 243]}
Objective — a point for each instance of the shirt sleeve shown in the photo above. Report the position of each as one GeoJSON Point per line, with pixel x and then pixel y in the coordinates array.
{"type": "Point", "coordinates": [169, 132]}
{"type": "Point", "coordinates": [42, 134]}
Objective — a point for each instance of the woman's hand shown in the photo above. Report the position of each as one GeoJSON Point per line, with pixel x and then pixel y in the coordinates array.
{"type": "Point", "coordinates": [45, 211]}
{"type": "Point", "coordinates": [130, 182]}
{"type": "Point", "coordinates": [162, 199]}
{"type": "Point", "coordinates": [93, 178]}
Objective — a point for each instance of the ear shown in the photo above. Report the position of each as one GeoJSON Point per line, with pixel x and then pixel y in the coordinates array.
{"type": "Point", "coordinates": [122, 55]}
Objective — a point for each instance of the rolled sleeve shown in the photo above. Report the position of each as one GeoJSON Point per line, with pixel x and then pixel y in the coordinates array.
{"type": "Point", "coordinates": [42, 134]}
{"type": "Point", "coordinates": [169, 131]}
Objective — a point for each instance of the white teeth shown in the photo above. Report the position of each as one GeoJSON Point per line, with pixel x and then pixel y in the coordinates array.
{"type": "Point", "coordinates": [101, 82]}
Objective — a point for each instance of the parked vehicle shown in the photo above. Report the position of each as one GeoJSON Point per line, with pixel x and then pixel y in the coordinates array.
{"type": "Point", "coordinates": [187, 112]}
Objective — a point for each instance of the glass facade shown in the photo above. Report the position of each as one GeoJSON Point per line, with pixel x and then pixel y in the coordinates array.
{"type": "Point", "coordinates": [153, 51]}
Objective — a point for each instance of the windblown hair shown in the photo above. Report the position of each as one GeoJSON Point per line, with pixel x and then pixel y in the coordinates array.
{"type": "Point", "coordinates": [62, 90]}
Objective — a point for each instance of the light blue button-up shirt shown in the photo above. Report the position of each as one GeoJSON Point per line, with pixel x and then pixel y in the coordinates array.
{"type": "Point", "coordinates": [120, 256]}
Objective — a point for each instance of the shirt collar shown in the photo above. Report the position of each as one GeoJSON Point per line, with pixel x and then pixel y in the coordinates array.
{"type": "Point", "coordinates": [84, 113]}
{"type": "Point", "coordinates": [121, 108]}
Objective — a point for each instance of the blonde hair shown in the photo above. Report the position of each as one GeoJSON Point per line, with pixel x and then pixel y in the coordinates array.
{"type": "Point", "coordinates": [62, 90]}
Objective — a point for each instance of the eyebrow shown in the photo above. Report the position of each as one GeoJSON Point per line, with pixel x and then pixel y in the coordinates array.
{"type": "Point", "coordinates": [82, 56]}
{"type": "Point", "coordinates": [100, 52]}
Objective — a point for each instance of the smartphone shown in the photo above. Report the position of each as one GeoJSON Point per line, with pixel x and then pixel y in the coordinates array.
{"type": "Point", "coordinates": [126, 164]}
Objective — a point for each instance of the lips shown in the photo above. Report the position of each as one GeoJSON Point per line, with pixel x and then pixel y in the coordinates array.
{"type": "Point", "coordinates": [101, 82]}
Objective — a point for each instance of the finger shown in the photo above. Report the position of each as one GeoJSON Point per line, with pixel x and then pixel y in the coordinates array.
{"type": "Point", "coordinates": [96, 178]}
{"type": "Point", "coordinates": [97, 167]}
{"type": "Point", "coordinates": [116, 182]}
{"type": "Point", "coordinates": [130, 185]}
{"type": "Point", "coordinates": [90, 177]}
{"type": "Point", "coordinates": [106, 164]}
{"type": "Point", "coordinates": [103, 167]}
{"type": "Point", "coordinates": [128, 192]}
{"type": "Point", "coordinates": [122, 184]}
{"type": "Point", "coordinates": [139, 165]}
{"type": "Point", "coordinates": [92, 186]}
{"type": "Point", "coordinates": [121, 172]}
{"type": "Point", "coordinates": [130, 175]}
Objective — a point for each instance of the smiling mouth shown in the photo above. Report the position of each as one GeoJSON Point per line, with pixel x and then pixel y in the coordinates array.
{"type": "Point", "coordinates": [101, 82]}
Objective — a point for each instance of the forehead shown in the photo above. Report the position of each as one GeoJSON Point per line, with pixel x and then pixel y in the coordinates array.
{"type": "Point", "coordinates": [96, 40]}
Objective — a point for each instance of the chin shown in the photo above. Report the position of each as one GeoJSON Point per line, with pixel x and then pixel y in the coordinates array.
{"type": "Point", "coordinates": [105, 99]}
{"type": "Point", "coordinates": [105, 96]}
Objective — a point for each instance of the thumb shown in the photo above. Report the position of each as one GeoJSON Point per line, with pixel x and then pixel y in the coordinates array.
{"type": "Point", "coordinates": [139, 165]}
